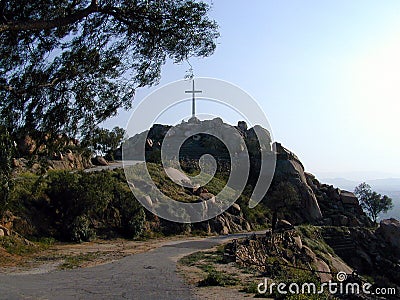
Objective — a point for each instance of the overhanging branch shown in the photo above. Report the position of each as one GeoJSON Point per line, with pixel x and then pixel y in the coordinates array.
{"type": "Point", "coordinates": [59, 22]}
{"type": "Point", "coordinates": [13, 90]}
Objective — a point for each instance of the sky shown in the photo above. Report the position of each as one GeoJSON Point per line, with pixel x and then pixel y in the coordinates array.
{"type": "Point", "coordinates": [326, 74]}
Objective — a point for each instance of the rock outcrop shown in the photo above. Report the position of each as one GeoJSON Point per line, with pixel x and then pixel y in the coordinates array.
{"type": "Point", "coordinates": [286, 249]}
{"type": "Point", "coordinates": [27, 145]}
{"type": "Point", "coordinates": [389, 230]}
{"type": "Point", "coordinates": [338, 208]}
{"type": "Point", "coordinates": [369, 251]}
{"type": "Point", "coordinates": [62, 161]}
{"type": "Point", "coordinates": [317, 203]}
{"type": "Point", "coordinates": [195, 145]}
{"type": "Point", "coordinates": [290, 169]}
{"type": "Point", "coordinates": [99, 161]}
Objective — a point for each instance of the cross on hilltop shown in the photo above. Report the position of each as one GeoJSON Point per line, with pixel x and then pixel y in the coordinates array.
{"type": "Point", "coordinates": [193, 92]}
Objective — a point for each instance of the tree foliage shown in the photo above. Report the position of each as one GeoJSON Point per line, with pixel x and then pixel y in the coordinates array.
{"type": "Point", "coordinates": [67, 65]}
{"type": "Point", "coordinates": [82, 203]}
{"type": "Point", "coordinates": [104, 142]}
{"type": "Point", "coordinates": [6, 147]}
{"type": "Point", "coordinates": [282, 197]}
{"type": "Point", "coordinates": [372, 202]}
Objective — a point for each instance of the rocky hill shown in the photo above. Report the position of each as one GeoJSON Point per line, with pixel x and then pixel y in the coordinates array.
{"type": "Point", "coordinates": [294, 195]}
{"type": "Point", "coordinates": [313, 202]}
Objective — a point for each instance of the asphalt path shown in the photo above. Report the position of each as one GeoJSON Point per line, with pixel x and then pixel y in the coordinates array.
{"type": "Point", "coordinates": [149, 275]}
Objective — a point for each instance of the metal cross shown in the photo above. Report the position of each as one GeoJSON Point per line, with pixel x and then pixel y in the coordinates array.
{"type": "Point", "coordinates": [193, 92]}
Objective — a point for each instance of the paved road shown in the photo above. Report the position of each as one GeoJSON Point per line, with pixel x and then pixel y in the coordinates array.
{"type": "Point", "coordinates": [150, 275]}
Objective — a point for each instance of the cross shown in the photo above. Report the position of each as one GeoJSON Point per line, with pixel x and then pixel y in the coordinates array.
{"type": "Point", "coordinates": [193, 92]}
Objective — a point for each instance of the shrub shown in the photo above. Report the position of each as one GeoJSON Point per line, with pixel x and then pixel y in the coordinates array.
{"type": "Point", "coordinates": [135, 224]}
{"type": "Point", "coordinates": [131, 211]}
{"type": "Point", "coordinates": [80, 230]}
{"type": "Point", "coordinates": [299, 277]}
{"type": "Point", "coordinates": [17, 245]}
{"type": "Point", "coordinates": [218, 278]}
{"type": "Point", "coordinates": [193, 258]}
{"type": "Point", "coordinates": [251, 288]}
{"type": "Point", "coordinates": [73, 206]}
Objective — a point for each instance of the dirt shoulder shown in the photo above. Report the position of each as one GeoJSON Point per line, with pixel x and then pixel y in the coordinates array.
{"type": "Point", "coordinates": [69, 256]}
{"type": "Point", "coordinates": [212, 278]}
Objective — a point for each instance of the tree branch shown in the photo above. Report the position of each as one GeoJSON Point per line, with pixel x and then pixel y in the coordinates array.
{"type": "Point", "coordinates": [40, 25]}
{"type": "Point", "coordinates": [15, 91]}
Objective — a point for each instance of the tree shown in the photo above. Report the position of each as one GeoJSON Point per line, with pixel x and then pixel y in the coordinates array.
{"type": "Point", "coordinates": [6, 148]}
{"type": "Point", "coordinates": [282, 199]}
{"type": "Point", "coordinates": [104, 142]}
{"type": "Point", "coordinates": [67, 65]}
{"type": "Point", "coordinates": [372, 202]}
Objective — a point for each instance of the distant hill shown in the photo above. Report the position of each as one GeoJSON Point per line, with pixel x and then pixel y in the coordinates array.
{"type": "Point", "coordinates": [386, 184]}
{"type": "Point", "coordinates": [395, 212]}
{"type": "Point", "coordinates": [342, 183]}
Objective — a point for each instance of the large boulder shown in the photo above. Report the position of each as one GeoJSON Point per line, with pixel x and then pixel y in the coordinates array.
{"type": "Point", "coordinates": [284, 225]}
{"type": "Point", "coordinates": [348, 198]}
{"type": "Point", "coordinates": [70, 156]}
{"type": "Point", "coordinates": [234, 209]}
{"type": "Point", "coordinates": [389, 230]}
{"type": "Point", "coordinates": [252, 142]}
{"type": "Point", "coordinates": [4, 231]}
{"type": "Point", "coordinates": [177, 176]}
{"type": "Point", "coordinates": [99, 161]}
{"type": "Point", "coordinates": [339, 265]}
{"type": "Point", "coordinates": [289, 168]}
{"type": "Point", "coordinates": [26, 145]}
{"type": "Point", "coordinates": [324, 273]}
{"type": "Point", "coordinates": [225, 223]}
{"type": "Point", "coordinates": [242, 126]}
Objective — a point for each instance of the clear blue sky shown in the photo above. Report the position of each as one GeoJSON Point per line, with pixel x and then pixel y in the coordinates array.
{"type": "Point", "coordinates": [326, 73]}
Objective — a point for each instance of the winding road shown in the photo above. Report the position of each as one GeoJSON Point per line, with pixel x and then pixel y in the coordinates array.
{"type": "Point", "coordinates": [149, 275]}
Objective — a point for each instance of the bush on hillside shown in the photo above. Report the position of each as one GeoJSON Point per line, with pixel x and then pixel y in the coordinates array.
{"type": "Point", "coordinates": [77, 205]}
